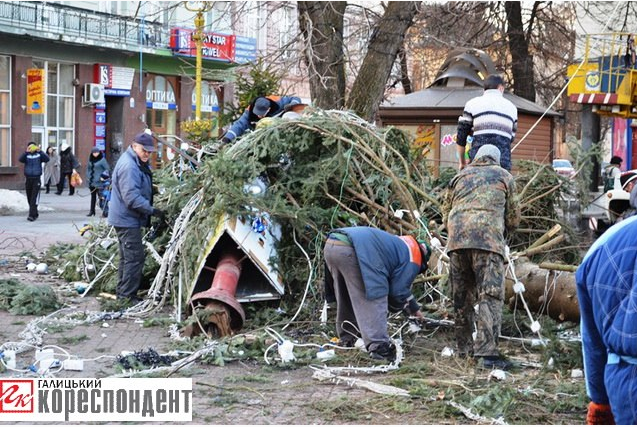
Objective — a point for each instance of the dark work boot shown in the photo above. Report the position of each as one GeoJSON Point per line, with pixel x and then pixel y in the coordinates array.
{"type": "Point", "coordinates": [386, 350]}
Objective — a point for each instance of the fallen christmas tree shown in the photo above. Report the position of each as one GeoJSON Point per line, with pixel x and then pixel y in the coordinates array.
{"type": "Point", "coordinates": [324, 170]}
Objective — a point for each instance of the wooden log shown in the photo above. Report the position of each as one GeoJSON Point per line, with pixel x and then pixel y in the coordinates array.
{"type": "Point", "coordinates": [546, 236]}
{"type": "Point", "coordinates": [547, 291]}
{"type": "Point", "coordinates": [558, 267]}
{"type": "Point", "coordinates": [543, 247]}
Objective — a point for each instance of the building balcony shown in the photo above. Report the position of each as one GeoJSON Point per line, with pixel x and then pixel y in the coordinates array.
{"type": "Point", "coordinates": [82, 27]}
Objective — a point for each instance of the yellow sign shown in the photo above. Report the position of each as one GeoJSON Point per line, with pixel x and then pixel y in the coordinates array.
{"type": "Point", "coordinates": [35, 91]}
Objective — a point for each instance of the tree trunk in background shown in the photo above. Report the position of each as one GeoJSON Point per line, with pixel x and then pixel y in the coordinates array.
{"type": "Point", "coordinates": [321, 25]}
{"type": "Point", "coordinates": [405, 81]}
{"type": "Point", "coordinates": [382, 49]}
{"type": "Point", "coordinates": [522, 61]}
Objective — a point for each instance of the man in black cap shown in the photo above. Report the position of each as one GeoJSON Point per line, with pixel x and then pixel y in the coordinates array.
{"type": "Point", "coordinates": [130, 209]}
{"type": "Point", "coordinates": [260, 107]}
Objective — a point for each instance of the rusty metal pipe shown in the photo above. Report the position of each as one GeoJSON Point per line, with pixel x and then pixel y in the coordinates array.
{"type": "Point", "coordinates": [224, 288]}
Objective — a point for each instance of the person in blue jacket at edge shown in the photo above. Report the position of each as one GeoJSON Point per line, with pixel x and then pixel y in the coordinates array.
{"type": "Point", "coordinates": [607, 295]}
{"type": "Point", "coordinates": [368, 273]}
{"type": "Point", "coordinates": [260, 107]}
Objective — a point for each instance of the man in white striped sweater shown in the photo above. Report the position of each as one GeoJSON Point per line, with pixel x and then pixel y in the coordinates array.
{"type": "Point", "coordinates": [490, 119]}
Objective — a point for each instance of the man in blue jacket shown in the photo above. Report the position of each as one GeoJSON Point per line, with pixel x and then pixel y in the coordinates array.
{"type": "Point", "coordinates": [369, 272]}
{"type": "Point", "coordinates": [270, 106]}
{"type": "Point", "coordinates": [130, 209]}
{"type": "Point", "coordinates": [33, 159]}
{"type": "Point", "coordinates": [607, 296]}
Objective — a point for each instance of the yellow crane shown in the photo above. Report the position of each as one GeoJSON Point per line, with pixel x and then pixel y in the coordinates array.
{"type": "Point", "coordinates": [607, 76]}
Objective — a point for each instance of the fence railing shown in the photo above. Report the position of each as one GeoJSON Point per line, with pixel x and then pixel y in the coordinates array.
{"type": "Point", "coordinates": [51, 20]}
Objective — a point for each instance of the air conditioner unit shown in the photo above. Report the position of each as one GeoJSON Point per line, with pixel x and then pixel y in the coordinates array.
{"type": "Point", "coordinates": [93, 93]}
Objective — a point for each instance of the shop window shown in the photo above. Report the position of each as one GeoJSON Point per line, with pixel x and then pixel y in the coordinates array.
{"type": "Point", "coordinates": [5, 111]}
{"type": "Point", "coordinates": [58, 122]}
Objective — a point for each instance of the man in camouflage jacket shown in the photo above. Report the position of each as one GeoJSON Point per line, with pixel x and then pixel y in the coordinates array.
{"type": "Point", "coordinates": [481, 204]}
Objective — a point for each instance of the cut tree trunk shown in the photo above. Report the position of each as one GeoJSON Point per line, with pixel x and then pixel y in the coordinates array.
{"type": "Point", "coordinates": [547, 291]}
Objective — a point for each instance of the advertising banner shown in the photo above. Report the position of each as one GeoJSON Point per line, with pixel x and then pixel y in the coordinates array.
{"type": "Point", "coordinates": [35, 91]}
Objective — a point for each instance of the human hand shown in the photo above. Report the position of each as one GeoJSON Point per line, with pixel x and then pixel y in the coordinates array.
{"type": "Point", "coordinates": [418, 315]}
{"type": "Point", "coordinates": [225, 140]}
{"type": "Point", "coordinates": [599, 414]}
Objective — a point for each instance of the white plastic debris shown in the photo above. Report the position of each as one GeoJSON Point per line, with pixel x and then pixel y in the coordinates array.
{"type": "Point", "coordinates": [286, 351]}
{"type": "Point", "coordinates": [60, 271]}
{"type": "Point", "coordinates": [31, 266]}
{"type": "Point", "coordinates": [326, 354]}
{"type": "Point", "coordinates": [105, 325]}
{"type": "Point", "coordinates": [106, 243]}
{"type": "Point", "coordinates": [414, 327]}
{"type": "Point", "coordinates": [90, 267]}
{"type": "Point", "coordinates": [360, 344]}
{"type": "Point", "coordinates": [577, 373]}
{"type": "Point", "coordinates": [435, 243]}
{"type": "Point", "coordinates": [535, 326]}
{"type": "Point", "coordinates": [400, 213]}
{"type": "Point", "coordinates": [42, 268]}
{"type": "Point", "coordinates": [551, 363]}
{"type": "Point", "coordinates": [518, 287]}
{"type": "Point", "coordinates": [498, 374]}
{"type": "Point", "coordinates": [104, 335]}
{"type": "Point", "coordinates": [447, 352]}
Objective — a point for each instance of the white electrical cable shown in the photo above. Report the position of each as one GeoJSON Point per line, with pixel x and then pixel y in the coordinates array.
{"type": "Point", "coordinates": [309, 280]}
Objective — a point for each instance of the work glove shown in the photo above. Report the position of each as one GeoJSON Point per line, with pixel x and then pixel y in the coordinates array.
{"type": "Point", "coordinates": [599, 414]}
{"type": "Point", "coordinates": [159, 214]}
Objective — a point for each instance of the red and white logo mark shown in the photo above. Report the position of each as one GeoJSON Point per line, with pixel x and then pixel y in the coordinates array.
{"type": "Point", "coordinates": [16, 396]}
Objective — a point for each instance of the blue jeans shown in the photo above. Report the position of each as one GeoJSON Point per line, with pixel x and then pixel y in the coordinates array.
{"type": "Point", "coordinates": [131, 261]}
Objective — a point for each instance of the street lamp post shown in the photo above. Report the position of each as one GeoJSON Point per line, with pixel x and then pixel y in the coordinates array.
{"type": "Point", "coordinates": [198, 39]}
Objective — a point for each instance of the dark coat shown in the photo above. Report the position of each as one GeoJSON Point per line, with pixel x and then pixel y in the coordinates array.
{"type": "Point", "coordinates": [68, 162]}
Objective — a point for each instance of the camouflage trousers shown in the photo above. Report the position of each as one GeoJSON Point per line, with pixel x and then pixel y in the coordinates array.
{"type": "Point", "coordinates": [477, 277]}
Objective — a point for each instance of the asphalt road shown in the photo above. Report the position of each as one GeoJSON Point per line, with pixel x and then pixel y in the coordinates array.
{"type": "Point", "coordinates": [60, 219]}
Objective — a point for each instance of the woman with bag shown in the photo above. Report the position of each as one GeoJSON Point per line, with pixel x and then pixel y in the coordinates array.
{"type": "Point", "coordinates": [97, 164]}
{"type": "Point", "coordinates": [51, 169]}
{"type": "Point", "coordinates": [68, 166]}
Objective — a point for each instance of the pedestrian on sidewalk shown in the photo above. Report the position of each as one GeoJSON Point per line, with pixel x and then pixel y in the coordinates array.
{"type": "Point", "coordinates": [68, 165]}
{"type": "Point", "coordinates": [369, 272]}
{"type": "Point", "coordinates": [33, 158]}
{"type": "Point", "coordinates": [480, 206]}
{"type": "Point", "coordinates": [51, 169]}
{"type": "Point", "coordinates": [96, 165]}
{"type": "Point", "coordinates": [130, 209]}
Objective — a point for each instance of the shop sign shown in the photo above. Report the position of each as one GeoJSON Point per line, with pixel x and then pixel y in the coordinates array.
{"type": "Point", "coordinates": [215, 46]}
{"type": "Point", "coordinates": [117, 81]}
{"type": "Point", "coordinates": [245, 50]}
{"type": "Point", "coordinates": [35, 91]}
{"type": "Point", "coordinates": [209, 102]}
{"type": "Point", "coordinates": [161, 99]}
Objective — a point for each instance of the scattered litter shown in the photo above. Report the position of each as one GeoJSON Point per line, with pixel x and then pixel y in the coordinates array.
{"type": "Point", "coordinates": [498, 374]}
{"type": "Point", "coordinates": [104, 335]}
{"type": "Point", "coordinates": [42, 268]}
{"type": "Point", "coordinates": [577, 373]}
{"type": "Point", "coordinates": [31, 266]}
{"type": "Point", "coordinates": [447, 352]}
{"type": "Point", "coordinates": [105, 325]}
{"type": "Point", "coordinates": [284, 382]}
{"type": "Point", "coordinates": [322, 374]}
{"type": "Point", "coordinates": [326, 354]}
